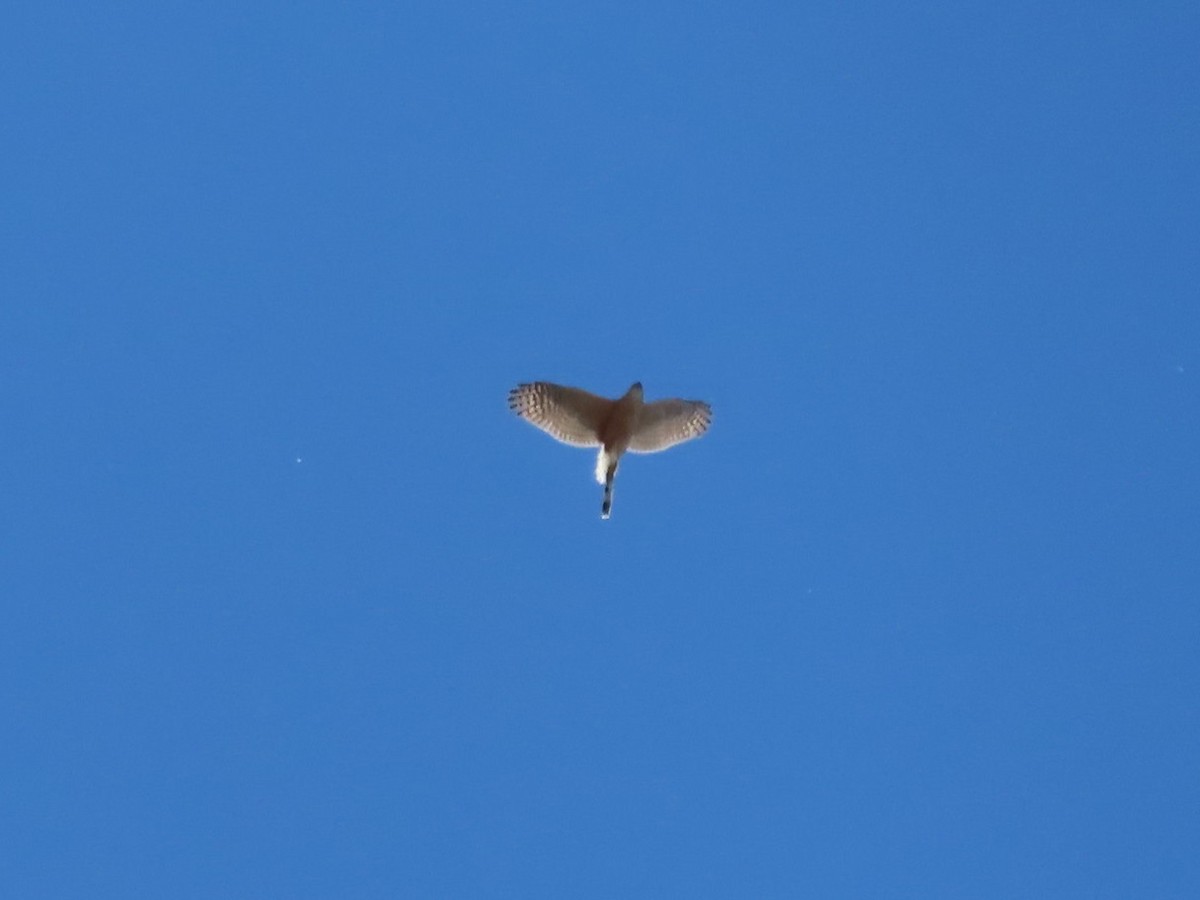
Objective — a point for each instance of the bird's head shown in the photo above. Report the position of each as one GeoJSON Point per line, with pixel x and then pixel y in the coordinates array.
{"type": "Point", "coordinates": [635, 389]}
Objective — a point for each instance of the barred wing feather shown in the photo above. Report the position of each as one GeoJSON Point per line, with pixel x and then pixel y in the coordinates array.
{"type": "Point", "coordinates": [665, 423]}
{"type": "Point", "coordinates": [567, 414]}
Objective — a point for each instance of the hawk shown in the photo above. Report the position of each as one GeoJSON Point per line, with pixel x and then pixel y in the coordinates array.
{"type": "Point", "coordinates": [583, 419]}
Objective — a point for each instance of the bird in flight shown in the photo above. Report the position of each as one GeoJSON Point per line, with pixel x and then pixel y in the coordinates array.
{"type": "Point", "coordinates": [583, 419]}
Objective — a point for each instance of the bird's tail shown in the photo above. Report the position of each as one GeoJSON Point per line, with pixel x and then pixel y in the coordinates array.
{"type": "Point", "coordinates": [606, 471]}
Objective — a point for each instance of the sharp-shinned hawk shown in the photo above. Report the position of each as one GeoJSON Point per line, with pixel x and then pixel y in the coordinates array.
{"type": "Point", "coordinates": [582, 419]}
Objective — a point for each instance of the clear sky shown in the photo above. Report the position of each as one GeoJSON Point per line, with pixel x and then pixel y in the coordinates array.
{"type": "Point", "coordinates": [292, 606]}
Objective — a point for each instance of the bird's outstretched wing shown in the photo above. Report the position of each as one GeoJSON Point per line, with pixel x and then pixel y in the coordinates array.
{"type": "Point", "coordinates": [665, 423]}
{"type": "Point", "coordinates": [567, 414]}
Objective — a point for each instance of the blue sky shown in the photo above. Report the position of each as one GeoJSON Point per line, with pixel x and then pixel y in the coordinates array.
{"type": "Point", "coordinates": [293, 606]}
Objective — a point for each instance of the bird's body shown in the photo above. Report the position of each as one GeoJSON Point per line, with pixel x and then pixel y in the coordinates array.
{"type": "Point", "coordinates": [583, 419]}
